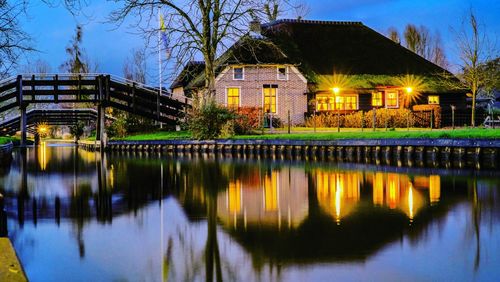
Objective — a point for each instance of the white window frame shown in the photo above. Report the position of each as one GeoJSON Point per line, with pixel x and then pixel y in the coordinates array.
{"type": "Point", "coordinates": [386, 95]}
{"type": "Point", "coordinates": [277, 99]}
{"type": "Point", "coordinates": [226, 96]}
{"type": "Point", "coordinates": [278, 73]}
{"type": "Point", "coordinates": [242, 73]}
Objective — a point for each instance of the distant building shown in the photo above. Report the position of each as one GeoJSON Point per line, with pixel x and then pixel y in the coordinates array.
{"type": "Point", "coordinates": [303, 66]}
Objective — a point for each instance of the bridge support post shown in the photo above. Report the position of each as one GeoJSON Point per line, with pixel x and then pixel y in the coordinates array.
{"type": "Point", "coordinates": [37, 139]}
{"type": "Point", "coordinates": [100, 129]}
{"type": "Point", "coordinates": [23, 125]}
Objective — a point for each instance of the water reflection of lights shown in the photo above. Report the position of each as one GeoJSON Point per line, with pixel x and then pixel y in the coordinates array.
{"type": "Point", "coordinates": [112, 177]}
{"type": "Point", "coordinates": [268, 198]}
{"type": "Point", "coordinates": [42, 156]}
{"type": "Point", "coordinates": [273, 197]}
{"type": "Point", "coordinates": [410, 202]}
{"type": "Point", "coordinates": [338, 195]}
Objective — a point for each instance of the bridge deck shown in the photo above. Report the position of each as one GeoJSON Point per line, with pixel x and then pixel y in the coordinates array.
{"type": "Point", "coordinates": [100, 90]}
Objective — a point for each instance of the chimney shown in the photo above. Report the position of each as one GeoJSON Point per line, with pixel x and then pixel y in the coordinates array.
{"type": "Point", "coordinates": [255, 28]}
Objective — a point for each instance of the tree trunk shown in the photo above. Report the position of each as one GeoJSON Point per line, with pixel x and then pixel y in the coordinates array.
{"type": "Point", "coordinates": [209, 82]}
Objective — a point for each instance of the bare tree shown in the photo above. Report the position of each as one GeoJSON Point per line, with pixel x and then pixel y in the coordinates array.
{"type": "Point", "coordinates": [135, 66]}
{"type": "Point", "coordinates": [13, 40]}
{"type": "Point", "coordinates": [194, 27]}
{"type": "Point", "coordinates": [421, 41]}
{"type": "Point", "coordinates": [38, 66]}
{"type": "Point", "coordinates": [436, 52]}
{"type": "Point", "coordinates": [474, 51]}
{"type": "Point", "coordinates": [273, 9]}
{"type": "Point", "coordinates": [393, 35]}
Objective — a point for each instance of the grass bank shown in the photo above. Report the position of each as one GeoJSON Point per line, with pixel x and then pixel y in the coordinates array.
{"type": "Point", "coordinates": [5, 140]}
{"type": "Point", "coordinates": [160, 135]}
{"type": "Point", "coordinates": [477, 133]}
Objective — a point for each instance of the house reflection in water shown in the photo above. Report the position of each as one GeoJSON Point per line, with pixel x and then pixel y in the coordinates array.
{"type": "Point", "coordinates": [280, 197]}
{"type": "Point", "coordinates": [339, 192]}
{"type": "Point", "coordinates": [275, 197]}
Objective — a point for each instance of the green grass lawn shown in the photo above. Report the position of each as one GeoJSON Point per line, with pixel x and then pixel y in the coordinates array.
{"type": "Point", "coordinates": [368, 134]}
{"type": "Point", "coordinates": [160, 135]}
{"type": "Point", "coordinates": [5, 140]}
{"type": "Point", "coordinates": [333, 134]}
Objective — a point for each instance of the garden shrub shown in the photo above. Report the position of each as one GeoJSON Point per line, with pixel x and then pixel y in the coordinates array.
{"type": "Point", "coordinates": [247, 120]}
{"type": "Point", "coordinates": [210, 121]}
{"type": "Point", "coordinates": [395, 118]}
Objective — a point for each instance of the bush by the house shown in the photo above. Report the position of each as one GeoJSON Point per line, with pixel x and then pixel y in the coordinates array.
{"type": "Point", "coordinates": [248, 120]}
{"type": "Point", "coordinates": [210, 121]}
{"type": "Point", "coordinates": [391, 118]}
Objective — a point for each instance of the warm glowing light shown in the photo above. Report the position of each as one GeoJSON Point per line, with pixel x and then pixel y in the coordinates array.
{"type": "Point", "coordinates": [409, 90]}
{"type": "Point", "coordinates": [42, 156]}
{"type": "Point", "coordinates": [434, 188]}
{"type": "Point", "coordinates": [43, 129]}
{"type": "Point", "coordinates": [271, 192]}
{"type": "Point", "coordinates": [410, 202]}
{"type": "Point", "coordinates": [336, 90]}
{"type": "Point", "coordinates": [338, 196]}
{"type": "Point", "coordinates": [234, 196]}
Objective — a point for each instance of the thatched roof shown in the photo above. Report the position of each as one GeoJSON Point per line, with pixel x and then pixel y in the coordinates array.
{"type": "Point", "coordinates": [324, 48]}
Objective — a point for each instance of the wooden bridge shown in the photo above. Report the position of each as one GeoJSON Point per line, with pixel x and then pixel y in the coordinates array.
{"type": "Point", "coordinates": [99, 90]}
{"type": "Point", "coordinates": [48, 116]}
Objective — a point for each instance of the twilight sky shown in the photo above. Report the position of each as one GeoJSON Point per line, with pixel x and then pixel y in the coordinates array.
{"type": "Point", "coordinates": [52, 27]}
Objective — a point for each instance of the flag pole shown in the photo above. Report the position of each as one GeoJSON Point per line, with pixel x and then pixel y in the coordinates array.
{"type": "Point", "coordinates": [159, 65]}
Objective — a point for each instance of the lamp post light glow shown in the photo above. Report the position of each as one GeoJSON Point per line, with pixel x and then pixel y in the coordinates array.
{"type": "Point", "coordinates": [43, 129]}
{"type": "Point", "coordinates": [409, 89]}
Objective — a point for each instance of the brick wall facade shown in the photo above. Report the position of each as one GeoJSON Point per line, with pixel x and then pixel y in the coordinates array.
{"type": "Point", "coordinates": [290, 93]}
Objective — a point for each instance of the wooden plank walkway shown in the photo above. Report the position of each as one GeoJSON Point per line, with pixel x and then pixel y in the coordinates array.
{"type": "Point", "coordinates": [10, 267]}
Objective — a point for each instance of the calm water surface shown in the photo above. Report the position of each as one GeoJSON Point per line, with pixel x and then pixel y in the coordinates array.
{"type": "Point", "coordinates": [78, 216]}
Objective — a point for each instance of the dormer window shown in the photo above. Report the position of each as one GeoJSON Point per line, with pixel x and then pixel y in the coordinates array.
{"type": "Point", "coordinates": [238, 73]}
{"type": "Point", "coordinates": [282, 73]}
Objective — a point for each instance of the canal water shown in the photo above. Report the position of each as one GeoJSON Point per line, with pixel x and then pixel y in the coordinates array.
{"type": "Point", "coordinates": [75, 215]}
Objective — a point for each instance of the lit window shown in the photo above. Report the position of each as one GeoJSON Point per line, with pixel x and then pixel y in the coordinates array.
{"type": "Point", "coordinates": [325, 102]}
{"type": "Point", "coordinates": [346, 102]}
{"type": "Point", "coordinates": [282, 73]}
{"type": "Point", "coordinates": [270, 98]}
{"type": "Point", "coordinates": [392, 99]}
{"type": "Point", "coordinates": [330, 102]}
{"type": "Point", "coordinates": [233, 98]}
{"type": "Point", "coordinates": [238, 73]}
{"type": "Point", "coordinates": [377, 99]}
{"type": "Point", "coordinates": [434, 100]}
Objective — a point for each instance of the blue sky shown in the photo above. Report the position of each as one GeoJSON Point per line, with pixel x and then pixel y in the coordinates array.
{"type": "Point", "coordinates": [52, 27]}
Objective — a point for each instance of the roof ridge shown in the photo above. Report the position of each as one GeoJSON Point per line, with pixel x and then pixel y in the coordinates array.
{"type": "Point", "coordinates": [323, 22]}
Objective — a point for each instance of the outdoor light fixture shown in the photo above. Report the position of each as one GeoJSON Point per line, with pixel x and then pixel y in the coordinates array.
{"type": "Point", "coordinates": [43, 129]}
{"type": "Point", "coordinates": [336, 90]}
{"type": "Point", "coordinates": [409, 90]}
